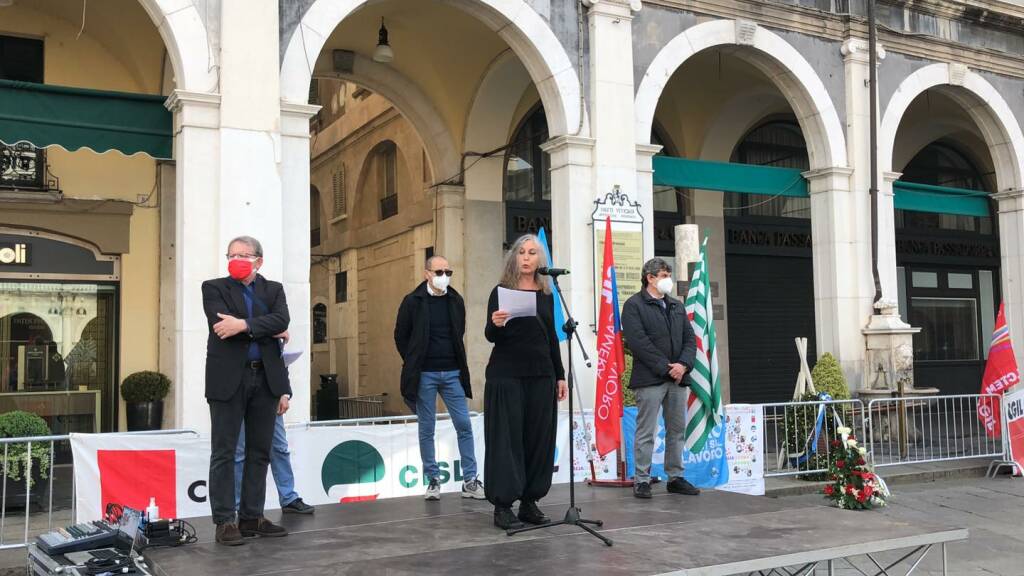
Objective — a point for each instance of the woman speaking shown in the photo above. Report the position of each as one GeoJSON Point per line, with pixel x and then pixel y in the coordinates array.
{"type": "Point", "coordinates": [525, 381]}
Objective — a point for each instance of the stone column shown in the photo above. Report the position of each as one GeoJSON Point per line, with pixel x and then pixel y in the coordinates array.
{"type": "Point", "coordinates": [295, 248]}
{"type": "Point", "coordinates": [449, 220]}
{"type": "Point", "coordinates": [198, 251]}
{"type": "Point", "coordinates": [1011, 250]}
{"type": "Point", "coordinates": [612, 101]}
{"type": "Point", "coordinates": [645, 195]}
{"type": "Point", "coordinates": [852, 263]}
{"type": "Point", "coordinates": [572, 197]}
{"type": "Point", "coordinates": [841, 306]}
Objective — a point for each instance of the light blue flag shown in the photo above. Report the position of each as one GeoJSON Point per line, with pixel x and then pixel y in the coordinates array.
{"type": "Point", "coordinates": [559, 314]}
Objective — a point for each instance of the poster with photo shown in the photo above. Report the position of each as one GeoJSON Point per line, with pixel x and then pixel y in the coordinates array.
{"type": "Point", "coordinates": [744, 448]}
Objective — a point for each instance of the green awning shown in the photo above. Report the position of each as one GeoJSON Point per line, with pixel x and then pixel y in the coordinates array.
{"type": "Point", "coordinates": [940, 199]}
{"type": "Point", "coordinates": [73, 118]}
{"type": "Point", "coordinates": [728, 177]}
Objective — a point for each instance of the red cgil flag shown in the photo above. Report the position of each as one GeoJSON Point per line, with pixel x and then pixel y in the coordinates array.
{"type": "Point", "coordinates": [1001, 374]}
{"type": "Point", "coordinates": [610, 363]}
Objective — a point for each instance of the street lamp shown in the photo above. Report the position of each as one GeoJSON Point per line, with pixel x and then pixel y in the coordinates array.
{"type": "Point", "coordinates": [383, 53]}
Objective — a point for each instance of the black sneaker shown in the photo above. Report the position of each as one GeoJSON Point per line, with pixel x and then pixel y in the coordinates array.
{"type": "Point", "coordinates": [229, 535]}
{"type": "Point", "coordinates": [261, 527]}
{"type": "Point", "coordinates": [682, 486]}
{"type": "Point", "coordinates": [531, 514]}
{"type": "Point", "coordinates": [505, 519]}
{"type": "Point", "coordinates": [297, 506]}
{"type": "Point", "coordinates": [642, 490]}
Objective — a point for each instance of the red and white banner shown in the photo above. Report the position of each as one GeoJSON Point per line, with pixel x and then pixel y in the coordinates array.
{"type": "Point", "coordinates": [331, 465]}
{"type": "Point", "coordinates": [1015, 423]}
{"type": "Point", "coordinates": [1001, 374]}
{"type": "Point", "coordinates": [610, 362]}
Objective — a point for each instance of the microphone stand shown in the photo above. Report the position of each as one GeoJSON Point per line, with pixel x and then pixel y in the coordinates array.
{"type": "Point", "coordinates": [572, 515]}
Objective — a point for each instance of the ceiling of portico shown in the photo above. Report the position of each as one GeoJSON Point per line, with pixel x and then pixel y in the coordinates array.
{"type": "Point", "coordinates": [934, 116]}
{"type": "Point", "coordinates": [441, 49]}
{"type": "Point", "coordinates": [716, 92]}
{"type": "Point", "coordinates": [119, 47]}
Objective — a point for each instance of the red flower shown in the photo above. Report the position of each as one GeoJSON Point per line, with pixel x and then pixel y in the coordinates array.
{"type": "Point", "coordinates": [860, 461]}
{"type": "Point", "coordinates": [849, 488]}
{"type": "Point", "coordinates": [868, 491]}
{"type": "Point", "coordinates": [840, 463]}
{"type": "Point", "coordinates": [861, 498]}
{"type": "Point", "coordinates": [835, 443]}
{"type": "Point", "coordinates": [829, 490]}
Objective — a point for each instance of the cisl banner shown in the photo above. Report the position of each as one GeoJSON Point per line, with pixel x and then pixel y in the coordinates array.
{"type": "Point", "coordinates": [1014, 402]}
{"type": "Point", "coordinates": [331, 464]}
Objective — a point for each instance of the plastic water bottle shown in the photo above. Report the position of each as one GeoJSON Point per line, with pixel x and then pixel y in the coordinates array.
{"type": "Point", "coordinates": [152, 512]}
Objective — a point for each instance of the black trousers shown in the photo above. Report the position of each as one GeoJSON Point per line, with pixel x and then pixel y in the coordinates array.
{"type": "Point", "coordinates": [255, 405]}
{"type": "Point", "coordinates": [520, 424]}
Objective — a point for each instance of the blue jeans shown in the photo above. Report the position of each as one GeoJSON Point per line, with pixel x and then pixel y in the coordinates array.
{"type": "Point", "coordinates": [450, 388]}
{"type": "Point", "coordinates": [280, 465]}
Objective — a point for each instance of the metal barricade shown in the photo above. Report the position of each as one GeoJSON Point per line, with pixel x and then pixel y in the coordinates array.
{"type": "Point", "coordinates": [931, 429]}
{"type": "Point", "coordinates": [41, 491]}
{"type": "Point", "coordinates": [361, 406]}
{"type": "Point", "coordinates": [798, 435]}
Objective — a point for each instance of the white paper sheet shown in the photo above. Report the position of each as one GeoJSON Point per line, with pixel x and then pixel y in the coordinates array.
{"type": "Point", "coordinates": [518, 303]}
{"type": "Point", "coordinates": [290, 356]}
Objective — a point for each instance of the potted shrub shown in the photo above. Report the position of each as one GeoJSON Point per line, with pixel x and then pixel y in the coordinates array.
{"type": "Point", "coordinates": [21, 424]}
{"type": "Point", "coordinates": [143, 394]}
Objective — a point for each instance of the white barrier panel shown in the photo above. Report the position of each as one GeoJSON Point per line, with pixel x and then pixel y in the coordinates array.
{"type": "Point", "coordinates": [331, 464]}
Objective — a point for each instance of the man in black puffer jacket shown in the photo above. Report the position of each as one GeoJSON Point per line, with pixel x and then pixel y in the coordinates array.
{"type": "Point", "coordinates": [658, 333]}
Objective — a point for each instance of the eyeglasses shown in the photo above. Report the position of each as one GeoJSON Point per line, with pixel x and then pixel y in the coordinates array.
{"type": "Point", "coordinates": [242, 256]}
{"type": "Point", "coordinates": [440, 273]}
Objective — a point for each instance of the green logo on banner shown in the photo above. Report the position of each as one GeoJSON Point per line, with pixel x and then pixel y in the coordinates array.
{"type": "Point", "coordinates": [351, 462]}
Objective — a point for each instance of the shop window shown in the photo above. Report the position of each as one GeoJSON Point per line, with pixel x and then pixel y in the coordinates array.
{"type": "Point", "coordinates": [314, 216]}
{"type": "Point", "coordinates": [527, 167]}
{"type": "Point", "coordinates": [341, 287]}
{"type": "Point", "coordinates": [320, 324]}
{"type": "Point", "coordinates": [960, 281]}
{"type": "Point", "coordinates": [387, 161]}
{"type": "Point", "coordinates": [57, 353]}
{"type": "Point", "coordinates": [778, 143]}
{"type": "Point", "coordinates": [527, 181]}
{"type": "Point", "coordinates": [941, 164]}
{"type": "Point", "coordinates": [949, 329]}
{"type": "Point", "coordinates": [924, 279]}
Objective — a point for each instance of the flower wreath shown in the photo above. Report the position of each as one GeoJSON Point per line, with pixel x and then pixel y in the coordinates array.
{"type": "Point", "coordinates": [852, 483]}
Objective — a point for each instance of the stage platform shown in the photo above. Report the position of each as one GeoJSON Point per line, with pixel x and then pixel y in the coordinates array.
{"type": "Point", "coordinates": [714, 533]}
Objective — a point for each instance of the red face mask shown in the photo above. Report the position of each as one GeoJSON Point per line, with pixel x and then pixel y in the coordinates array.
{"type": "Point", "coordinates": [240, 269]}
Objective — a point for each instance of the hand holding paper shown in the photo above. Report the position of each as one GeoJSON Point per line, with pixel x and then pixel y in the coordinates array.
{"type": "Point", "coordinates": [518, 303]}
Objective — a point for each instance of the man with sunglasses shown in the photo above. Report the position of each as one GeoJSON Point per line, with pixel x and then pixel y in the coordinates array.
{"type": "Point", "coordinates": [428, 334]}
{"type": "Point", "coordinates": [246, 384]}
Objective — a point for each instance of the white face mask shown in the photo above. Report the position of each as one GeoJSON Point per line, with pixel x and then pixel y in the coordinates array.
{"type": "Point", "coordinates": [665, 286]}
{"type": "Point", "coordinates": [440, 283]}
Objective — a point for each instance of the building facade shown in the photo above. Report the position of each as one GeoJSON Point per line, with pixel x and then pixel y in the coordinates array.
{"type": "Point", "coordinates": [749, 118]}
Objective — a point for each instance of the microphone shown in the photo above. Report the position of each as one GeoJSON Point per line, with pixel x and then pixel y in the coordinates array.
{"type": "Point", "coordinates": [554, 272]}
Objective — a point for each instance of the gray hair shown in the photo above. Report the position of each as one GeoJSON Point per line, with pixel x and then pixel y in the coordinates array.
{"type": "Point", "coordinates": [253, 244]}
{"type": "Point", "coordinates": [430, 260]}
{"type": "Point", "coordinates": [653, 267]}
{"type": "Point", "coordinates": [510, 275]}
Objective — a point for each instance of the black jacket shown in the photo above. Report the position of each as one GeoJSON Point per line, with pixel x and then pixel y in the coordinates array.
{"type": "Point", "coordinates": [656, 342]}
{"type": "Point", "coordinates": [226, 359]}
{"type": "Point", "coordinates": [412, 336]}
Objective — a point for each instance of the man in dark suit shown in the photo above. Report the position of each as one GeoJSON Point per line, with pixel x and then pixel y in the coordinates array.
{"type": "Point", "coordinates": [246, 381]}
